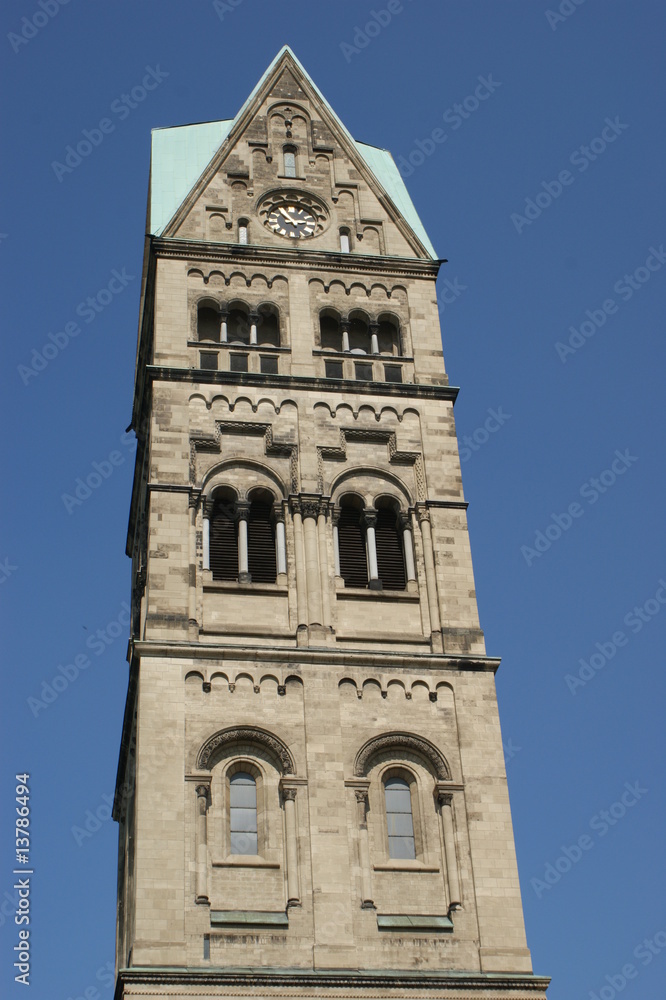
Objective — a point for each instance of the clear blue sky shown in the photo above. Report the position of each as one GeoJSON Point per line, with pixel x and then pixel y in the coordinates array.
{"type": "Point", "coordinates": [517, 287]}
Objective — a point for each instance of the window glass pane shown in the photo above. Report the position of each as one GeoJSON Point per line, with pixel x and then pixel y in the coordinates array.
{"type": "Point", "coordinates": [208, 361]}
{"type": "Point", "coordinates": [238, 363]}
{"type": "Point", "coordinates": [402, 848]}
{"type": "Point", "coordinates": [244, 843]}
{"type": "Point", "coordinates": [334, 369]}
{"type": "Point", "coordinates": [344, 242]}
{"type": "Point", "coordinates": [363, 372]}
{"type": "Point", "coordinates": [243, 813]}
{"type": "Point", "coordinates": [393, 373]}
{"type": "Point", "coordinates": [289, 163]}
{"type": "Point", "coordinates": [242, 234]}
{"type": "Point", "coordinates": [399, 819]}
{"type": "Point", "coordinates": [269, 365]}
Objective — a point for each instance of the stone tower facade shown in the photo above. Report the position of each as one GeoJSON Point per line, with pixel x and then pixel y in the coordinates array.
{"type": "Point", "coordinates": [311, 792]}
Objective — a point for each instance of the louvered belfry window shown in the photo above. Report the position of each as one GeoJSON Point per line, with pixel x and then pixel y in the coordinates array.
{"type": "Point", "coordinates": [223, 545]}
{"type": "Point", "coordinates": [390, 553]}
{"type": "Point", "coordinates": [351, 545]}
{"type": "Point", "coordinates": [261, 543]}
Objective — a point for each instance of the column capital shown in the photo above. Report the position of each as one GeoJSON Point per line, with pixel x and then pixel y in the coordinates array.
{"type": "Point", "coordinates": [202, 789]}
{"type": "Point", "coordinates": [405, 520]}
{"type": "Point", "coordinates": [208, 505]}
{"type": "Point", "coordinates": [278, 511]}
{"type": "Point", "coordinates": [422, 513]}
{"type": "Point", "coordinates": [361, 795]}
{"type": "Point", "coordinates": [369, 517]}
{"type": "Point", "coordinates": [289, 794]}
{"type": "Point", "coordinates": [242, 510]}
{"type": "Point", "coordinates": [193, 499]}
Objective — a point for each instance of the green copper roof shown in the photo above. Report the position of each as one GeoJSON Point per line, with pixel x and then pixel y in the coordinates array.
{"type": "Point", "coordinates": [180, 155]}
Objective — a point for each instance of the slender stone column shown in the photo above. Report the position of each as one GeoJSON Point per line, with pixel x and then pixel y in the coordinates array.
{"type": "Point", "coordinates": [344, 326]}
{"type": "Point", "coordinates": [453, 879]}
{"type": "Point", "coordinates": [293, 889]}
{"type": "Point", "coordinates": [370, 520]}
{"type": "Point", "coordinates": [280, 540]}
{"type": "Point", "coordinates": [201, 855]}
{"type": "Point", "coordinates": [408, 546]}
{"type": "Point", "coordinates": [223, 328]}
{"type": "Point", "coordinates": [310, 510]}
{"type": "Point", "coordinates": [374, 339]}
{"type": "Point", "coordinates": [431, 579]}
{"type": "Point", "coordinates": [192, 588]}
{"type": "Point", "coordinates": [323, 567]}
{"type": "Point", "coordinates": [254, 319]}
{"type": "Point", "coordinates": [243, 516]}
{"type": "Point", "coordinates": [299, 554]}
{"type": "Point", "coordinates": [364, 848]}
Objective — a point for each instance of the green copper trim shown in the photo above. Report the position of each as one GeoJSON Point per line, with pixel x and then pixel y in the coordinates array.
{"type": "Point", "coordinates": [404, 921]}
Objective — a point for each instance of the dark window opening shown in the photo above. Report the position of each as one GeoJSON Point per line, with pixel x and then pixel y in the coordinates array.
{"type": "Point", "coordinates": [243, 813]}
{"type": "Point", "coordinates": [261, 543]}
{"type": "Point", "coordinates": [223, 541]}
{"type": "Point", "coordinates": [238, 363]}
{"type": "Point", "coordinates": [208, 324]}
{"type": "Point", "coordinates": [208, 360]}
{"type": "Point", "coordinates": [268, 364]}
{"type": "Point", "coordinates": [390, 553]}
{"type": "Point", "coordinates": [363, 371]}
{"type": "Point", "coordinates": [393, 373]}
{"type": "Point", "coordinates": [351, 547]}
{"type": "Point", "coordinates": [333, 369]}
{"type": "Point", "coordinates": [399, 819]}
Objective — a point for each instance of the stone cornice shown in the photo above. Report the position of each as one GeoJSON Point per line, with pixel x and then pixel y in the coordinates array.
{"type": "Point", "coordinates": [446, 982]}
{"type": "Point", "coordinates": [312, 655]}
{"type": "Point", "coordinates": [408, 390]}
{"type": "Point", "coordinates": [300, 258]}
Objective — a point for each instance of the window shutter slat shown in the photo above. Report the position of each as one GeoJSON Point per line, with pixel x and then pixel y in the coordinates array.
{"type": "Point", "coordinates": [390, 554]}
{"type": "Point", "coordinates": [351, 546]}
{"type": "Point", "coordinates": [261, 544]}
{"type": "Point", "coordinates": [223, 547]}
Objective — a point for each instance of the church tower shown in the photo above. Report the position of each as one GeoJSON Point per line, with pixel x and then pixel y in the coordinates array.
{"type": "Point", "coordinates": [311, 792]}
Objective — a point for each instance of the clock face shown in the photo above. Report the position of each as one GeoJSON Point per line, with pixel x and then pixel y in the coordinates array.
{"type": "Point", "coordinates": [292, 220]}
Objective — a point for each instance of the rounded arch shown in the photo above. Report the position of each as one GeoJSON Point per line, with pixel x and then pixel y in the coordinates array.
{"type": "Point", "coordinates": [355, 480]}
{"type": "Point", "coordinates": [237, 469]}
{"type": "Point", "coordinates": [419, 745]}
{"type": "Point", "coordinates": [276, 748]}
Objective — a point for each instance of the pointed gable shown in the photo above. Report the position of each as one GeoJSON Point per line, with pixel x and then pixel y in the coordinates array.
{"type": "Point", "coordinates": [204, 176]}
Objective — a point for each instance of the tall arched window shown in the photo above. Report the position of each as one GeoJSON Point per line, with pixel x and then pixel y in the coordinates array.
{"type": "Point", "coordinates": [242, 230]}
{"type": "Point", "coordinates": [289, 153]}
{"type": "Point", "coordinates": [208, 323]}
{"type": "Point", "coordinates": [359, 334]}
{"type": "Point", "coordinates": [390, 548]}
{"type": "Point", "coordinates": [243, 813]}
{"type": "Point", "coordinates": [223, 538]}
{"type": "Point", "coordinates": [261, 540]}
{"type": "Point", "coordinates": [351, 543]}
{"type": "Point", "coordinates": [238, 325]}
{"type": "Point", "coordinates": [399, 822]}
{"type": "Point", "coordinates": [330, 334]}
{"type": "Point", "coordinates": [344, 240]}
{"type": "Point", "coordinates": [268, 326]}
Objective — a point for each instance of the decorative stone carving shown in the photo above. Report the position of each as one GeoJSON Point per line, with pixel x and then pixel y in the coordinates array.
{"type": "Point", "coordinates": [401, 741]}
{"type": "Point", "coordinates": [247, 734]}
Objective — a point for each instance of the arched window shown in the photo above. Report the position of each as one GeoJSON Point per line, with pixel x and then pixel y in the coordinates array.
{"type": "Point", "coordinates": [289, 153]}
{"type": "Point", "coordinates": [261, 539]}
{"type": "Point", "coordinates": [268, 326]}
{"type": "Point", "coordinates": [351, 543]}
{"type": "Point", "coordinates": [399, 821]}
{"type": "Point", "coordinates": [243, 813]}
{"type": "Point", "coordinates": [242, 231]}
{"type": "Point", "coordinates": [330, 334]}
{"type": "Point", "coordinates": [359, 335]}
{"type": "Point", "coordinates": [223, 538]}
{"type": "Point", "coordinates": [388, 337]}
{"type": "Point", "coordinates": [344, 240]}
{"type": "Point", "coordinates": [208, 323]}
{"type": "Point", "coordinates": [238, 325]}
{"type": "Point", "coordinates": [390, 549]}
